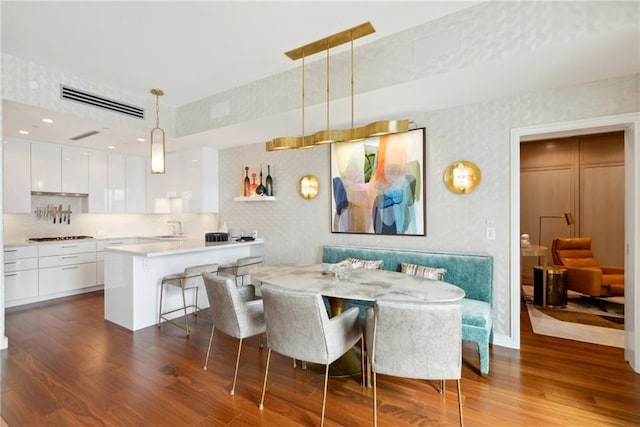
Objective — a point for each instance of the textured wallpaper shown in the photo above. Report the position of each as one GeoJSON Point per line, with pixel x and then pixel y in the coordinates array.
{"type": "Point", "coordinates": [295, 229]}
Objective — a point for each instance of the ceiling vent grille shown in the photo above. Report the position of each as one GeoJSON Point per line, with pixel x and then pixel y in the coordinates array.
{"type": "Point", "coordinates": [87, 98]}
{"type": "Point", "coordinates": [84, 135]}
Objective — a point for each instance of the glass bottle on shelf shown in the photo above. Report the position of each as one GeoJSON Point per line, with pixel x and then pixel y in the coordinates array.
{"type": "Point", "coordinates": [247, 183]}
{"type": "Point", "coordinates": [269, 182]}
{"type": "Point", "coordinates": [254, 186]}
{"type": "Point", "coordinates": [261, 190]}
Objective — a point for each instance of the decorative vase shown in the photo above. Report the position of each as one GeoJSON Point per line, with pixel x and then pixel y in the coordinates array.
{"type": "Point", "coordinates": [261, 188]}
{"type": "Point", "coordinates": [247, 183]}
{"type": "Point", "coordinates": [254, 186]}
{"type": "Point", "coordinates": [269, 182]}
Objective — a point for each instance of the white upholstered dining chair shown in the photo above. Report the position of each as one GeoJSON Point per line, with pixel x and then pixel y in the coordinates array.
{"type": "Point", "coordinates": [234, 312]}
{"type": "Point", "coordinates": [415, 340]}
{"type": "Point", "coordinates": [298, 326]}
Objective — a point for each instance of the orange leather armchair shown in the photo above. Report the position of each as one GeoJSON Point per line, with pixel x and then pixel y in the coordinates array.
{"type": "Point", "coordinates": [584, 273]}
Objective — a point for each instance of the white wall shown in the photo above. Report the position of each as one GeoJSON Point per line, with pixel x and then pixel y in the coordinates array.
{"type": "Point", "coordinates": [295, 229]}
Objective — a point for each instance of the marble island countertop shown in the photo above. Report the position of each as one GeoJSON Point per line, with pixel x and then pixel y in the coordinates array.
{"type": "Point", "coordinates": [165, 247]}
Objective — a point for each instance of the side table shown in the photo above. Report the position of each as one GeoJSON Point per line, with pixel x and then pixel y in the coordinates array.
{"type": "Point", "coordinates": [540, 252]}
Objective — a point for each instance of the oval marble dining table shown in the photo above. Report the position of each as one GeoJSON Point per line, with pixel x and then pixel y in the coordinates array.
{"type": "Point", "coordinates": [362, 284]}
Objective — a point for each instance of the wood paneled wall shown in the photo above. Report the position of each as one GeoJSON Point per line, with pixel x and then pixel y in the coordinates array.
{"type": "Point", "coordinates": [583, 175]}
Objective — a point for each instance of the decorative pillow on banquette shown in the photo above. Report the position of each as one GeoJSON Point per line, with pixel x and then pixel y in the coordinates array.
{"type": "Point", "coordinates": [422, 271]}
{"type": "Point", "coordinates": [366, 263]}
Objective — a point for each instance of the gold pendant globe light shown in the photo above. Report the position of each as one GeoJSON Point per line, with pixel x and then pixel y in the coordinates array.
{"type": "Point", "coordinates": [157, 139]}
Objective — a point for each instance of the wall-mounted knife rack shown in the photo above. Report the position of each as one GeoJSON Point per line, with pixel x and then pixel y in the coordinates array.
{"type": "Point", "coordinates": [53, 213]}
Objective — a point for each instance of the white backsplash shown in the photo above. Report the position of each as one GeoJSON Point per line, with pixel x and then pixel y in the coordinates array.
{"type": "Point", "coordinates": [19, 227]}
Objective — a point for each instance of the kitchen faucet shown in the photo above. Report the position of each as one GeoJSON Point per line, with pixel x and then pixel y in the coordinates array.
{"type": "Point", "coordinates": [176, 227]}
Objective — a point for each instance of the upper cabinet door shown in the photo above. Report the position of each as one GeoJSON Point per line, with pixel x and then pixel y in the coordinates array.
{"type": "Point", "coordinates": [135, 180]}
{"type": "Point", "coordinates": [75, 170]}
{"type": "Point", "coordinates": [116, 183]}
{"type": "Point", "coordinates": [17, 176]}
{"type": "Point", "coordinates": [46, 167]}
{"type": "Point", "coordinates": [98, 182]}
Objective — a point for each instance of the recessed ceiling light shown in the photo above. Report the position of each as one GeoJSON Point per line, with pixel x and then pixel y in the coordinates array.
{"type": "Point", "coordinates": [141, 139]}
{"type": "Point", "coordinates": [111, 147]}
{"type": "Point", "coordinates": [23, 132]}
{"type": "Point", "coordinates": [47, 120]}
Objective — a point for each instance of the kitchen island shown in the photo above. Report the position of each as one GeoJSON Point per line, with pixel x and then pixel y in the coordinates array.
{"type": "Point", "coordinates": [133, 274]}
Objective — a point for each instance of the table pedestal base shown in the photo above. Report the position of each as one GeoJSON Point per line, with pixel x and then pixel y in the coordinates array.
{"type": "Point", "coordinates": [346, 366]}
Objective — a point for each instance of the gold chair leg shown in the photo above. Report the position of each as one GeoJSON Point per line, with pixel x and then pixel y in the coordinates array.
{"type": "Point", "coordinates": [184, 308]}
{"type": "Point", "coordinates": [264, 385]}
{"type": "Point", "coordinates": [375, 401]}
{"type": "Point", "coordinates": [206, 361]}
{"type": "Point", "coordinates": [160, 309]}
{"type": "Point", "coordinates": [195, 307]}
{"type": "Point", "coordinates": [442, 387]}
{"type": "Point", "coordinates": [235, 374]}
{"type": "Point", "coordinates": [460, 403]}
{"type": "Point", "coordinates": [324, 395]}
{"type": "Point", "coordinates": [362, 367]}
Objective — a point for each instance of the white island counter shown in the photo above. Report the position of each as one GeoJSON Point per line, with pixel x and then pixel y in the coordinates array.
{"type": "Point", "coordinates": [133, 274]}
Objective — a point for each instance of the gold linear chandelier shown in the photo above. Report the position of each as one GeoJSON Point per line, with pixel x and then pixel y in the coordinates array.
{"type": "Point", "coordinates": [328, 136]}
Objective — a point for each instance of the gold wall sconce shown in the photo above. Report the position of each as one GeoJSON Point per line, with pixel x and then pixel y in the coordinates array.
{"type": "Point", "coordinates": [462, 177]}
{"type": "Point", "coordinates": [308, 187]}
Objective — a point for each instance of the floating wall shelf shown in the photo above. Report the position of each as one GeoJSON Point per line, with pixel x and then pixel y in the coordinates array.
{"type": "Point", "coordinates": [255, 199]}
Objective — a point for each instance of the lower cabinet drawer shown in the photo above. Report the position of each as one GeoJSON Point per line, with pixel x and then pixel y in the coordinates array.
{"type": "Point", "coordinates": [67, 278]}
{"type": "Point", "coordinates": [21, 264]}
{"type": "Point", "coordinates": [20, 284]}
{"type": "Point", "coordinates": [64, 260]}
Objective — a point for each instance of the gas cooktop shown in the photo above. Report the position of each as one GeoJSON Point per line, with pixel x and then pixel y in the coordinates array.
{"type": "Point", "coordinates": [53, 239]}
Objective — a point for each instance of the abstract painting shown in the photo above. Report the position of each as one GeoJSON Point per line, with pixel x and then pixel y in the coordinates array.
{"type": "Point", "coordinates": [377, 185]}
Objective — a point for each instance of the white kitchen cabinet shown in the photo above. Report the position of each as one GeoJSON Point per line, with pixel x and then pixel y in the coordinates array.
{"type": "Point", "coordinates": [54, 280]}
{"type": "Point", "coordinates": [100, 254]}
{"type": "Point", "coordinates": [46, 167]}
{"type": "Point", "coordinates": [191, 178]}
{"type": "Point", "coordinates": [17, 176]}
{"type": "Point", "coordinates": [98, 181]}
{"type": "Point", "coordinates": [156, 191]}
{"type": "Point", "coordinates": [66, 248]}
{"type": "Point", "coordinates": [135, 184]}
{"type": "Point", "coordinates": [75, 170]}
{"type": "Point", "coordinates": [65, 267]}
{"type": "Point", "coordinates": [20, 274]}
{"type": "Point", "coordinates": [117, 182]}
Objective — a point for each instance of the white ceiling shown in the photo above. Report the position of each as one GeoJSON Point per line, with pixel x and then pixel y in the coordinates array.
{"type": "Point", "coordinates": [195, 49]}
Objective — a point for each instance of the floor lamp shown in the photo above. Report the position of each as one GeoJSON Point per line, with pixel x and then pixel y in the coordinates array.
{"type": "Point", "coordinates": [568, 218]}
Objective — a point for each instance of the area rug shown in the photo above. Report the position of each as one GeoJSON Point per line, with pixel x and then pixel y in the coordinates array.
{"type": "Point", "coordinates": [601, 320]}
{"type": "Point", "coordinates": [545, 324]}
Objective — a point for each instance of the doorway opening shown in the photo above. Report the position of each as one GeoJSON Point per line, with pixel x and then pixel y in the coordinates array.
{"type": "Point", "coordinates": [573, 187]}
{"type": "Point", "coordinates": [629, 124]}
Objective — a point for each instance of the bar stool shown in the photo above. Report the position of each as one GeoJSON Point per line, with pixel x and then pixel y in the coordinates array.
{"type": "Point", "coordinates": [241, 267]}
{"type": "Point", "coordinates": [190, 279]}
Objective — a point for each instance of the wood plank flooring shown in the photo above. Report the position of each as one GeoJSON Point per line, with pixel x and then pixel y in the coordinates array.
{"type": "Point", "coordinates": [67, 366]}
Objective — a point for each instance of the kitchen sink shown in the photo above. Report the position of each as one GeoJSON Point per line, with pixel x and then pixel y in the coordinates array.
{"type": "Point", "coordinates": [168, 236]}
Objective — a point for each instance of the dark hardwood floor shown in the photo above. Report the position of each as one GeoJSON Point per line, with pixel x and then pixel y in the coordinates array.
{"type": "Point", "coordinates": [66, 366]}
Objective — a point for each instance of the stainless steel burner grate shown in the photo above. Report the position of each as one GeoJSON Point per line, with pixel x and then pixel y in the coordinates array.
{"type": "Point", "coordinates": [56, 238]}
